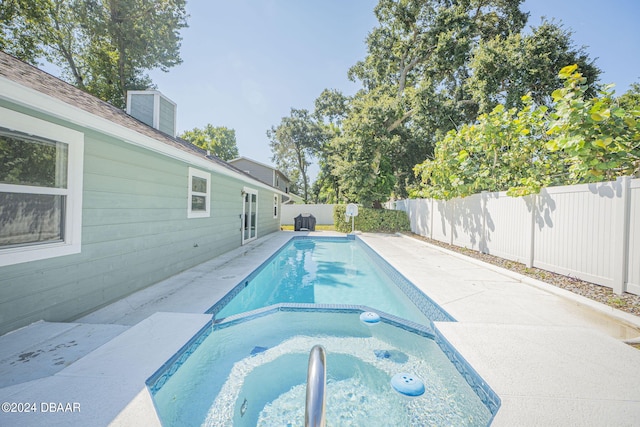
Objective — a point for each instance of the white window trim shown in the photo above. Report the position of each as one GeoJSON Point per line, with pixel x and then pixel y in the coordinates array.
{"type": "Point", "coordinates": [276, 205]}
{"type": "Point", "coordinates": [206, 176]}
{"type": "Point", "coordinates": [72, 243]}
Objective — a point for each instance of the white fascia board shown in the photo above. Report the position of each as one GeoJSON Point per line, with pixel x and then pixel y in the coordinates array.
{"type": "Point", "coordinates": [30, 98]}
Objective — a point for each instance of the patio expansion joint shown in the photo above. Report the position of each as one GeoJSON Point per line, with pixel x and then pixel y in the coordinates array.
{"type": "Point", "coordinates": [464, 297]}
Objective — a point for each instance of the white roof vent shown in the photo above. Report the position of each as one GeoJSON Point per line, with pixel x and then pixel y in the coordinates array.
{"type": "Point", "coordinates": [153, 108]}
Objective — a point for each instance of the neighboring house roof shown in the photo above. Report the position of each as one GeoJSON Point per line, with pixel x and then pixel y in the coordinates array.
{"type": "Point", "coordinates": [294, 198]}
{"type": "Point", "coordinates": [40, 81]}
{"type": "Point", "coordinates": [259, 163]}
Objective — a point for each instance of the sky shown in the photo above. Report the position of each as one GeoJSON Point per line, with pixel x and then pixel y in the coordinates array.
{"type": "Point", "coordinates": [246, 63]}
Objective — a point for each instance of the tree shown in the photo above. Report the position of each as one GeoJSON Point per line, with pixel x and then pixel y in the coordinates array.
{"type": "Point", "coordinates": [424, 44]}
{"type": "Point", "coordinates": [20, 21]}
{"type": "Point", "coordinates": [600, 137]}
{"type": "Point", "coordinates": [414, 78]}
{"type": "Point", "coordinates": [582, 139]}
{"type": "Point", "coordinates": [360, 153]}
{"type": "Point", "coordinates": [630, 100]}
{"type": "Point", "coordinates": [331, 108]}
{"type": "Point", "coordinates": [506, 69]}
{"type": "Point", "coordinates": [102, 46]}
{"type": "Point", "coordinates": [294, 142]}
{"type": "Point", "coordinates": [220, 141]}
{"type": "Point", "coordinates": [504, 150]}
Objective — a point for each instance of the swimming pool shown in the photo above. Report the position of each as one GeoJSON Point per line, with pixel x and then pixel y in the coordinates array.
{"type": "Point", "coordinates": [252, 371]}
{"type": "Point", "coordinates": [248, 367]}
{"type": "Point", "coordinates": [329, 270]}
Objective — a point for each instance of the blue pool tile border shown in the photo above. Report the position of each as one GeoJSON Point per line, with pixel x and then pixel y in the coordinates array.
{"type": "Point", "coordinates": [425, 304]}
{"type": "Point", "coordinates": [215, 309]}
{"type": "Point", "coordinates": [486, 394]}
{"type": "Point", "coordinates": [488, 397]}
{"type": "Point", "coordinates": [426, 331]}
{"type": "Point", "coordinates": [168, 368]}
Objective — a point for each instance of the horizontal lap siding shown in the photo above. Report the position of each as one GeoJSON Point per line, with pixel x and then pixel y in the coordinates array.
{"type": "Point", "coordinates": [266, 222]}
{"type": "Point", "coordinates": [135, 233]}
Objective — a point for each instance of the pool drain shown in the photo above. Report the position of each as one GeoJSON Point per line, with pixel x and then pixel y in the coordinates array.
{"type": "Point", "coordinates": [370, 317]}
{"type": "Point", "coordinates": [393, 355]}
{"type": "Point", "coordinates": [407, 384]}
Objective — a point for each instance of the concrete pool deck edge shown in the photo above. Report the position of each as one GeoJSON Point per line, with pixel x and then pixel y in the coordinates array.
{"type": "Point", "coordinates": [633, 321]}
{"type": "Point", "coordinates": [551, 356]}
{"type": "Point", "coordinates": [550, 367]}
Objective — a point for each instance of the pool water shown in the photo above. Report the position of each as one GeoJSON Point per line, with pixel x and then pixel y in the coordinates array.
{"type": "Point", "coordinates": [252, 371]}
{"type": "Point", "coordinates": [323, 271]}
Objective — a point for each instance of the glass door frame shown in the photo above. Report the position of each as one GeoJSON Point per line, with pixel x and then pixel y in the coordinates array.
{"type": "Point", "coordinates": [249, 214]}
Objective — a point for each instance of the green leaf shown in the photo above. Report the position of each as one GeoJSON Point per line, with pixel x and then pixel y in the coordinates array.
{"type": "Point", "coordinates": [557, 94]}
{"type": "Point", "coordinates": [462, 155]}
{"type": "Point", "coordinates": [618, 112]}
{"type": "Point", "coordinates": [552, 145]}
{"type": "Point", "coordinates": [567, 71]}
{"type": "Point", "coordinates": [603, 143]}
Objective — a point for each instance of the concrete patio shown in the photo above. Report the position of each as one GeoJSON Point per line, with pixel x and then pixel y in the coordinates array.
{"type": "Point", "coordinates": [554, 358]}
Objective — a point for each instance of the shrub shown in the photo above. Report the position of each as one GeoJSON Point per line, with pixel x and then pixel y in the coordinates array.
{"type": "Point", "coordinates": [372, 220]}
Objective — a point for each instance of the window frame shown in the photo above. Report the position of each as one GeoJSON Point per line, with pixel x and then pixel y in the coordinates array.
{"type": "Point", "coordinates": [276, 205]}
{"type": "Point", "coordinates": [197, 173]}
{"type": "Point", "coordinates": [72, 242]}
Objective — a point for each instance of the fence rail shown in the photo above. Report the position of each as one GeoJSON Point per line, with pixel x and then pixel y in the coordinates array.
{"type": "Point", "coordinates": [588, 231]}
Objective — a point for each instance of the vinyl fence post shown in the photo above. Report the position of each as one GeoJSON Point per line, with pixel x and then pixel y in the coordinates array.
{"type": "Point", "coordinates": [452, 219]}
{"type": "Point", "coordinates": [621, 235]}
{"type": "Point", "coordinates": [531, 247]}
{"type": "Point", "coordinates": [431, 221]}
{"type": "Point", "coordinates": [482, 246]}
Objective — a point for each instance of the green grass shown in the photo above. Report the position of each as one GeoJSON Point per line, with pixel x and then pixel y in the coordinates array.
{"type": "Point", "coordinates": [616, 301]}
{"type": "Point", "coordinates": [319, 227]}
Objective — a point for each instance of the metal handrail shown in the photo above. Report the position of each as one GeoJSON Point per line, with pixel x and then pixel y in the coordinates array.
{"type": "Point", "coordinates": [316, 388]}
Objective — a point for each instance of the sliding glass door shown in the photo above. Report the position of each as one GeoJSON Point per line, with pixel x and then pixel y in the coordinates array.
{"type": "Point", "coordinates": [249, 215]}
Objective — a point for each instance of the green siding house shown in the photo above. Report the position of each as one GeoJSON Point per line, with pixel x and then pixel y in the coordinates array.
{"type": "Point", "coordinates": [96, 204]}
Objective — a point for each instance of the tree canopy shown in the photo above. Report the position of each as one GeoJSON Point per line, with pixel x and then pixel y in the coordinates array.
{"type": "Point", "coordinates": [103, 47]}
{"type": "Point", "coordinates": [220, 141]}
{"type": "Point", "coordinates": [580, 139]}
{"type": "Point", "coordinates": [433, 66]}
{"type": "Point", "coordinates": [294, 142]}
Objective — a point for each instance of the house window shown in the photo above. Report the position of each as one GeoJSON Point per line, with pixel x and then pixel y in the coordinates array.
{"type": "Point", "coordinates": [275, 206]}
{"type": "Point", "coordinates": [199, 203]}
{"type": "Point", "coordinates": [40, 189]}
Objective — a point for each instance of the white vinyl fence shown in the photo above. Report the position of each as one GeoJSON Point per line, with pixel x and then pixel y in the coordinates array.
{"type": "Point", "coordinates": [323, 213]}
{"type": "Point", "coordinates": [588, 231]}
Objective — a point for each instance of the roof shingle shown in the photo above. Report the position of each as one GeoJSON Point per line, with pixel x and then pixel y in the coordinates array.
{"type": "Point", "coordinates": [43, 82]}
